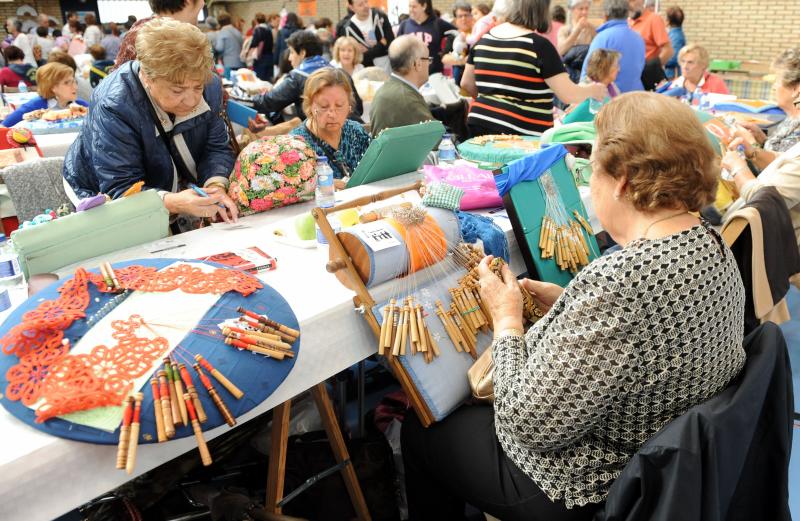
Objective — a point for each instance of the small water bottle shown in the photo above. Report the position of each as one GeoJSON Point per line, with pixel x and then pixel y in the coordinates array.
{"type": "Point", "coordinates": [447, 151]}
{"type": "Point", "coordinates": [324, 193]}
{"type": "Point", "coordinates": [704, 105]}
{"type": "Point", "coordinates": [22, 86]}
{"type": "Point", "coordinates": [10, 272]}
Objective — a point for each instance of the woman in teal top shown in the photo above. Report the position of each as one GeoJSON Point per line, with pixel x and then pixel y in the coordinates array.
{"type": "Point", "coordinates": [327, 100]}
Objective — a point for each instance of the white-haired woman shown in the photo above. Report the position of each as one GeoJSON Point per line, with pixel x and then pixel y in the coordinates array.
{"type": "Point", "coordinates": [575, 36]}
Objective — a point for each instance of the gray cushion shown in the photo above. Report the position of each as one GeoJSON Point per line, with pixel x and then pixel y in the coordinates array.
{"type": "Point", "coordinates": [35, 186]}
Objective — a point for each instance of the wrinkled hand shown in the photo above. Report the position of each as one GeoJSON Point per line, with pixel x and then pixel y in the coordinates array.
{"type": "Point", "coordinates": [734, 163]}
{"type": "Point", "coordinates": [502, 297]}
{"type": "Point", "coordinates": [755, 131]}
{"type": "Point", "coordinates": [256, 124]}
{"type": "Point", "coordinates": [544, 294]}
{"type": "Point", "coordinates": [228, 214]}
{"type": "Point", "coordinates": [583, 24]}
{"type": "Point", "coordinates": [188, 202]}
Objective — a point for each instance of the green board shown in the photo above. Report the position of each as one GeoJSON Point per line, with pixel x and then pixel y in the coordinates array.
{"type": "Point", "coordinates": [525, 204]}
{"type": "Point", "coordinates": [396, 151]}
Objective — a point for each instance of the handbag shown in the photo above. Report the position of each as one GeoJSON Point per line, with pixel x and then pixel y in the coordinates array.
{"type": "Point", "coordinates": [480, 377]}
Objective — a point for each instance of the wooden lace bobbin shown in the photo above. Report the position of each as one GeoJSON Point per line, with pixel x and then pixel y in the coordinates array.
{"type": "Point", "coordinates": [423, 337]}
{"type": "Point", "coordinates": [202, 447]}
{"type": "Point", "coordinates": [166, 407]}
{"type": "Point", "coordinates": [241, 344]}
{"type": "Point", "coordinates": [221, 407]}
{"type": "Point", "coordinates": [295, 334]}
{"type": "Point", "coordinates": [584, 222]}
{"type": "Point", "coordinates": [463, 329]}
{"type": "Point", "coordinates": [384, 329]}
{"type": "Point", "coordinates": [106, 276]}
{"type": "Point", "coordinates": [125, 433]}
{"type": "Point", "coordinates": [162, 436]}
{"type": "Point", "coordinates": [189, 384]}
{"type": "Point", "coordinates": [135, 425]}
{"type": "Point", "coordinates": [455, 338]}
{"type": "Point", "coordinates": [458, 302]}
{"type": "Point", "coordinates": [258, 331]}
{"type": "Point", "coordinates": [178, 383]}
{"type": "Point", "coordinates": [267, 329]}
{"type": "Point", "coordinates": [175, 409]}
{"type": "Point", "coordinates": [113, 276]}
{"type": "Point", "coordinates": [388, 340]}
{"type": "Point", "coordinates": [434, 347]}
{"type": "Point", "coordinates": [484, 310]}
{"type": "Point", "coordinates": [398, 332]}
{"type": "Point", "coordinates": [268, 343]}
{"type": "Point", "coordinates": [227, 384]}
{"type": "Point", "coordinates": [273, 340]}
{"type": "Point", "coordinates": [406, 327]}
{"type": "Point", "coordinates": [472, 302]}
{"type": "Point", "coordinates": [413, 327]}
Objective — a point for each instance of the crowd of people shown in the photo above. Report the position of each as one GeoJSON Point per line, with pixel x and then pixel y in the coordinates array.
{"type": "Point", "coordinates": [551, 447]}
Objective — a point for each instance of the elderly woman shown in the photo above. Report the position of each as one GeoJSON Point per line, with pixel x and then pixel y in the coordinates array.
{"type": "Point", "coordinates": [693, 60]}
{"type": "Point", "coordinates": [575, 36]}
{"type": "Point", "coordinates": [328, 99]}
{"type": "Point", "coordinates": [637, 338]}
{"type": "Point", "coordinates": [760, 149]}
{"type": "Point", "coordinates": [157, 120]}
{"type": "Point", "coordinates": [347, 55]}
{"type": "Point", "coordinates": [515, 95]}
{"type": "Point", "coordinates": [57, 90]}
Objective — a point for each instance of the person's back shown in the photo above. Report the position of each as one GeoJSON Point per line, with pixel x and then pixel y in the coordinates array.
{"type": "Point", "coordinates": [229, 45]}
{"type": "Point", "coordinates": [397, 104]}
{"type": "Point", "coordinates": [617, 36]}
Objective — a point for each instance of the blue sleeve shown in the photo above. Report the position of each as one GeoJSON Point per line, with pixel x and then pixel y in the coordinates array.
{"type": "Point", "coordinates": [594, 45]}
{"type": "Point", "coordinates": [118, 156]}
{"type": "Point", "coordinates": [218, 158]}
{"type": "Point", "coordinates": [678, 41]}
{"type": "Point", "coordinates": [16, 116]}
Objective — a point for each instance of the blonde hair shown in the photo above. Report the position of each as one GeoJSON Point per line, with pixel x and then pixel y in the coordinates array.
{"type": "Point", "coordinates": [173, 51]}
{"type": "Point", "coordinates": [660, 146]}
{"type": "Point", "coordinates": [698, 50]}
{"type": "Point", "coordinates": [50, 75]}
{"type": "Point", "coordinates": [322, 79]}
{"type": "Point", "coordinates": [347, 40]}
{"type": "Point", "coordinates": [600, 62]}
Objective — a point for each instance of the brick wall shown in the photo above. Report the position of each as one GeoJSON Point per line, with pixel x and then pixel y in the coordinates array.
{"type": "Point", "coordinates": [9, 9]}
{"type": "Point", "coordinates": [729, 29]}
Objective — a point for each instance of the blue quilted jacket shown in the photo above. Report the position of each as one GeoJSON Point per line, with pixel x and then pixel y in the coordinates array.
{"type": "Point", "coordinates": [119, 145]}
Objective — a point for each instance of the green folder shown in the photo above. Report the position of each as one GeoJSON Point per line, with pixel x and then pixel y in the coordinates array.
{"type": "Point", "coordinates": [396, 151]}
{"type": "Point", "coordinates": [525, 204]}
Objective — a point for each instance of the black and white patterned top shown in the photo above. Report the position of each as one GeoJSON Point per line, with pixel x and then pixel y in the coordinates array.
{"type": "Point", "coordinates": [636, 339]}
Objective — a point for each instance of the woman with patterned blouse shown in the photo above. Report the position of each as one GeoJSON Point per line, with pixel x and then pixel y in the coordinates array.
{"type": "Point", "coordinates": [637, 338]}
{"type": "Point", "coordinates": [327, 100]}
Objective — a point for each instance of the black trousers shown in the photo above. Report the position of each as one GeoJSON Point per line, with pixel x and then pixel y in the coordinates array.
{"type": "Point", "coordinates": [460, 460]}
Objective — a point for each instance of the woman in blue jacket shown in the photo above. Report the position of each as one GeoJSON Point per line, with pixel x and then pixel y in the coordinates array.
{"type": "Point", "coordinates": [157, 120]}
{"type": "Point", "coordinates": [57, 90]}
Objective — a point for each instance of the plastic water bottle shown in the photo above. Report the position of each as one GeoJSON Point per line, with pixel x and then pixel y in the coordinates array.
{"type": "Point", "coordinates": [447, 150]}
{"type": "Point", "coordinates": [10, 272]}
{"type": "Point", "coordinates": [324, 194]}
{"type": "Point", "coordinates": [704, 105]}
{"type": "Point", "coordinates": [22, 86]}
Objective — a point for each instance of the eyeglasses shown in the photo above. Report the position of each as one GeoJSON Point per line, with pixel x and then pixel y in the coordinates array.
{"type": "Point", "coordinates": [336, 111]}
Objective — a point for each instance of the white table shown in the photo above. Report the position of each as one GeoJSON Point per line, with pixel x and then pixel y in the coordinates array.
{"type": "Point", "coordinates": [42, 476]}
{"type": "Point", "coordinates": [55, 145]}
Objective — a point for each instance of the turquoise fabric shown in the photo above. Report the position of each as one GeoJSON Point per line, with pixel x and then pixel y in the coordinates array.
{"type": "Point", "coordinates": [352, 145]}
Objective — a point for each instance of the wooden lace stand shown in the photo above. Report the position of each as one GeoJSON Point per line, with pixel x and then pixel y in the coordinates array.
{"type": "Point", "coordinates": [341, 263]}
{"type": "Point", "coordinates": [277, 453]}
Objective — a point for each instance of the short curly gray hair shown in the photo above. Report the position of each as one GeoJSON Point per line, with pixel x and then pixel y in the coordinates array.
{"type": "Point", "coordinates": [787, 65]}
{"type": "Point", "coordinates": [616, 9]}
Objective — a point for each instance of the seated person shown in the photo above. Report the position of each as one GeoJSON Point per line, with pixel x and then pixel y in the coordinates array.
{"type": "Point", "coordinates": [602, 67]}
{"type": "Point", "coordinates": [398, 102]}
{"type": "Point", "coordinates": [782, 172]}
{"type": "Point", "coordinates": [603, 370]}
{"type": "Point", "coordinates": [327, 99]}
{"type": "Point", "coordinates": [693, 60]}
{"type": "Point", "coordinates": [759, 149]}
{"type": "Point", "coordinates": [16, 70]}
{"type": "Point", "coordinates": [57, 90]}
{"type": "Point", "coordinates": [172, 87]}
{"type": "Point", "coordinates": [101, 66]}
{"type": "Point", "coordinates": [305, 55]}
{"type": "Point", "coordinates": [347, 55]}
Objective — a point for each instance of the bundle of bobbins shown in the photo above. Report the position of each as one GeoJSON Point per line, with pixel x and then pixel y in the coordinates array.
{"type": "Point", "coordinates": [530, 311]}
{"type": "Point", "coordinates": [260, 334]}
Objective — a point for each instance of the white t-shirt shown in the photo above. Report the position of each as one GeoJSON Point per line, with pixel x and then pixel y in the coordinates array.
{"type": "Point", "coordinates": [92, 35]}
{"type": "Point", "coordinates": [23, 41]}
{"type": "Point", "coordinates": [366, 28]}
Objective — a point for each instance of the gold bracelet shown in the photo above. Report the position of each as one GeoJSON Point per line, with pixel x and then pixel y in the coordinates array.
{"type": "Point", "coordinates": [219, 184]}
{"type": "Point", "coordinates": [508, 332]}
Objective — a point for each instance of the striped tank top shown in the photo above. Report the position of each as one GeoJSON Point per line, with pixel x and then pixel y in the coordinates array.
{"type": "Point", "coordinates": [513, 97]}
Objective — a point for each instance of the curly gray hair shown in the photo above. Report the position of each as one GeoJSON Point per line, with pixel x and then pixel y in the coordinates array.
{"type": "Point", "coordinates": [787, 64]}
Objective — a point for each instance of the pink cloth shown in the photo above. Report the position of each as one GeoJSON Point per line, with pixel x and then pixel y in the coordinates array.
{"type": "Point", "coordinates": [481, 27]}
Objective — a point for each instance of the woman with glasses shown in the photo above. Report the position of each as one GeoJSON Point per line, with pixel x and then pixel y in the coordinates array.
{"type": "Point", "coordinates": [57, 90]}
{"type": "Point", "coordinates": [327, 100]}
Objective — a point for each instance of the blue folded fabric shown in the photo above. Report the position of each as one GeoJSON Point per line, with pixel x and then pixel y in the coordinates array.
{"type": "Point", "coordinates": [528, 168]}
{"type": "Point", "coordinates": [474, 227]}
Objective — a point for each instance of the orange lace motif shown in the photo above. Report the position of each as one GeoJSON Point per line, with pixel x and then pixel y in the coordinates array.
{"type": "Point", "coordinates": [72, 383]}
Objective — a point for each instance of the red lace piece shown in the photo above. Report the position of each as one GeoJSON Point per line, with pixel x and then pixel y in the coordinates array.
{"type": "Point", "coordinates": [188, 278]}
{"type": "Point", "coordinates": [104, 376]}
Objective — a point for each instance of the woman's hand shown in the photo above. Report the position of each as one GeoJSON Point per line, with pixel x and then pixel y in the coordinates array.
{"type": "Point", "coordinates": [256, 125]}
{"type": "Point", "coordinates": [734, 163]}
{"type": "Point", "coordinates": [755, 132]}
{"type": "Point", "coordinates": [228, 214]}
{"type": "Point", "coordinates": [189, 202]}
{"type": "Point", "coordinates": [502, 297]}
{"type": "Point", "coordinates": [544, 293]}
{"type": "Point", "coordinates": [598, 91]}
{"type": "Point", "coordinates": [743, 137]}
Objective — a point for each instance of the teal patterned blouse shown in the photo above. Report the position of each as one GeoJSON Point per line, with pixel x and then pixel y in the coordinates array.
{"type": "Point", "coordinates": [352, 145]}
